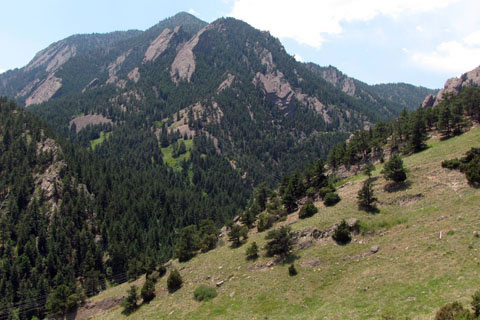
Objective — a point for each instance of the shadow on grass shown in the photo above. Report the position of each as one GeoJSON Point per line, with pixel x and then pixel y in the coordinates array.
{"type": "Point", "coordinates": [369, 209]}
{"type": "Point", "coordinates": [397, 186]}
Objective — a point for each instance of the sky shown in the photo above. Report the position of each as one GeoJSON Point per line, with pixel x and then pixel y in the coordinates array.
{"type": "Point", "coordinates": [422, 42]}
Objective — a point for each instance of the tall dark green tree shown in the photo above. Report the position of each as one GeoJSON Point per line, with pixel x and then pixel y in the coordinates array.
{"type": "Point", "coordinates": [394, 169]}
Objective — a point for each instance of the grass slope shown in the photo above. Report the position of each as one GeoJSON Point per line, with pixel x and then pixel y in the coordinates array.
{"type": "Point", "coordinates": [94, 143]}
{"type": "Point", "coordinates": [413, 274]}
{"type": "Point", "coordinates": [176, 162]}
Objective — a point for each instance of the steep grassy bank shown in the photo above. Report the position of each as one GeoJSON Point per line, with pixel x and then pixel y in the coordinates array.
{"type": "Point", "coordinates": [428, 256]}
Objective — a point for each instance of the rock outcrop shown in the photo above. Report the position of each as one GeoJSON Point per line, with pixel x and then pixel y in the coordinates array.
{"type": "Point", "coordinates": [184, 64]}
{"type": "Point", "coordinates": [93, 119]}
{"type": "Point", "coordinates": [160, 44]}
{"type": "Point", "coordinates": [45, 90]}
{"type": "Point", "coordinates": [454, 85]}
{"type": "Point", "coordinates": [52, 57]}
{"type": "Point", "coordinates": [339, 80]}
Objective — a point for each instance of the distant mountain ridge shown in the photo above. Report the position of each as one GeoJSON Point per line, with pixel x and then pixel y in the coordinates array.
{"type": "Point", "coordinates": [395, 95]}
{"type": "Point", "coordinates": [236, 84]}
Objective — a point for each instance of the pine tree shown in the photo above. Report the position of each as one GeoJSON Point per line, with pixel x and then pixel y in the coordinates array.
{"type": "Point", "coordinates": [281, 242]}
{"type": "Point", "coordinates": [252, 251]}
{"type": "Point", "coordinates": [394, 170]}
{"type": "Point", "coordinates": [174, 281]}
{"type": "Point", "coordinates": [130, 303]}
{"type": "Point", "coordinates": [366, 198]}
{"type": "Point", "coordinates": [148, 290]}
{"type": "Point", "coordinates": [418, 133]}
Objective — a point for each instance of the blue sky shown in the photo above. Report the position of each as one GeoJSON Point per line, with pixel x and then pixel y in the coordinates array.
{"type": "Point", "coordinates": [422, 42]}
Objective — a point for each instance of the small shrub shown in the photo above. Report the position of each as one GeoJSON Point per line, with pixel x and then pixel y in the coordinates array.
{"type": "Point", "coordinates": [307, 210]}
{"type": "Point", "coordinates": [252, 251]}
{"type": "Point", "coordinates": [331, 199]}
{"type": "Point", "coordinates": [174, 281]}
{"type": "Point", "coordinates": [204, 293]}
{"type": "Point", "coordinates": [476, 304]}
{"type": "Point", "coordinates": [342, 233]}
{"type": "Point", "coordinates": [472, 171]}
{"type": "Point", "coordinates": [452, 311]}
{"type": "Point", "coordinates": [161, 271]}
{"type": "Point", "coordinates": [292, 271]}
{"type": "Point", "coordinates": [265, 221]}
{"type": "Point", "coordinates": [328, 189]}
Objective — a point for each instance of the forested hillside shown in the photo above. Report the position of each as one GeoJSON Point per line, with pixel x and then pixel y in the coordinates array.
{"type": "Point", "coordinates": [68, 213]}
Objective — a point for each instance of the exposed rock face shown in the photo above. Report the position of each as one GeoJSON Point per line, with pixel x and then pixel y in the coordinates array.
{"type": "Point", "coordinates": [82, 122]}
{"type": "Point", "coordinates": [339, 80]}
{"type": "Point", "coordinates": [52, 57]}
{"type": "Point", "coordinates": [25, 91]}
{"type": "Point", "coordinates": [428, 102]}
{"type": "Point", "coordinates": [184, 64]}
{"type": "Point", "coordinates": [115, 66]}
{"type": "Point", "coordinates": [92, 85]}
{"type": "Point", "coordinates": [160, 44]}
{"type": "Point", "coordinates": [134, 75]}
{"type": "Point", "coordinates": [45, 90]}
{"type": "Point", "coordinates": [226, 83]}
{"type": "Point", "coordinates": [50, 180]}
{"type": "Point", "coordinates": [454, 85]}
{"type": "Point", "coordinates": [274, 84]}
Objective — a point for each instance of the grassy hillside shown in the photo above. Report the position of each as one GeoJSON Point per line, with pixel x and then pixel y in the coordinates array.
{"type": "Point", "coordinates": [414, 272]}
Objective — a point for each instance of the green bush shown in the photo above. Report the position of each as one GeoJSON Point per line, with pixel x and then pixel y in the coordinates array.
{"type": "Point", "coordinates": [307, 210]}
{"type": "Point", "coordinates": [472, 171]}
{"type": "Point", "coordinates": [325, 190]}
{"type": "Point", "coordinates": [342, 233]}
{"type": "Point", "coordinates": [252, 251]}
{"type": "Point", "coordinates": [453, 311]}
{"type": "Point", "coordinates": [204, 293]}
{"type": "Point", "coordinates": [331, 199]}
{"type": "Point", "coordinates": [161, 271]}
{"type": "Point", "coordinates": [265, 221]}
{"type": "Point", "coordinates": [174, 281]}
{"type": "Point", "coordinates": [476, 304]}
{"type": "Point", "coordinates": [292, 271]}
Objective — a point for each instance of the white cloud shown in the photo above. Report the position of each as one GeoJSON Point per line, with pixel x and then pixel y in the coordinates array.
{"type": "Point", "coordinates": [192, 11]}
{"type": "Point", "coordinates": [452, 56]}
{"type": "Point", "coordinates": [310, 21]}
{"type": "Point", "coordinates": [298, 57]}
{"type": "Point", "coordinates": [419, 28]}
{"type": "Point", "coordinates": [2, 71]}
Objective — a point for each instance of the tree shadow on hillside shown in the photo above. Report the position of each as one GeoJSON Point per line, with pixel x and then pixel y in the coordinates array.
{"type": "Point", "coordinates": [397, 186]}
{"type": "Point", "coordinates": [291, 258]}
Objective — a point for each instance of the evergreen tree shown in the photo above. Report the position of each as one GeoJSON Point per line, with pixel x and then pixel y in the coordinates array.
{"type": "Point", "coordinates": [418, 133]}
{"type": "Point", "coordinates": [130, 303]}
{"type": "Point", "coordinates": [252, 251]}
{"type": "Point", "coordinates": [236, 234]}
{"type": "Point", "coordinates": [281, 242]}
{"type": "Point", "coordinates": [394, 170]}
{"type": "Point", "coordinates": [174, 281]}
{"type": "Point", "coordinates": [188, 243]}
{"type": "Point", "coordinates": [148, 290]}
{"type": "Point", "coordinates": [288, 198]}
{"type": "Point", "coordinates": [366, 198]}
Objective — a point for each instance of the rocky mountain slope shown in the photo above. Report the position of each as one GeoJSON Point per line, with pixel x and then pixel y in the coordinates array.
{"type": "Point", "coordinates": [264, 111]}
{"type": "Point", "coordinates": [454, 85]}
{"type": "Point", "coordinates": [395, 95]}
